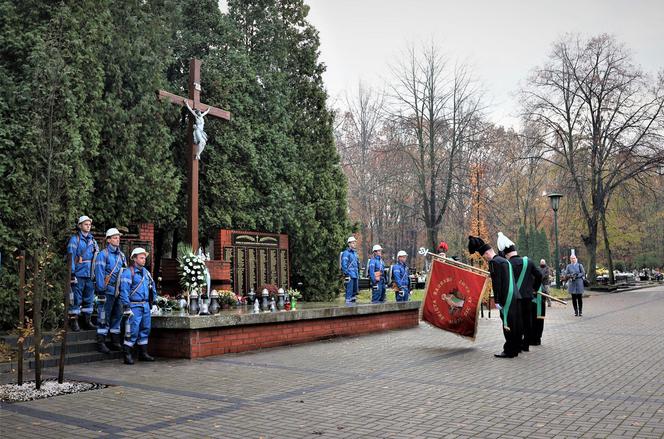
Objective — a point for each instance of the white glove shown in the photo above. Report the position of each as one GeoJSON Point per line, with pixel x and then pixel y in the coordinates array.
{"type": "Point", "coordinates": [499, 307]}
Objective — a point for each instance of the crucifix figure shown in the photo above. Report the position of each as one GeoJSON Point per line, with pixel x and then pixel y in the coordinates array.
{"type": "Point", "coordinates": [200, 138]}
{"type": "Point", "coordinates": [196, 139]}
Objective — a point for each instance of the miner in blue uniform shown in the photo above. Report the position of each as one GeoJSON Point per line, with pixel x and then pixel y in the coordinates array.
{"type": "Point", "coordinates": [137, 293]}
{"type": "Point", "coordinates": [350, 266]}
{"type": "Point", "coordinates": [401, 278]}
{"type": "Point", "coordinates": [504, 292]}
{"type": "Point", "coordinates": [376, 279]}
{"type": "Point", "coordinates": [528, 280]}
{"type": "Point", "coordinates": [108, 266]}
{"type": "Point", "coordinates": [82, 249]}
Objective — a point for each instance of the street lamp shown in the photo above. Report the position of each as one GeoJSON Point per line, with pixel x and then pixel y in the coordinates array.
{"type": "Point", "coordinates": [555, 203]}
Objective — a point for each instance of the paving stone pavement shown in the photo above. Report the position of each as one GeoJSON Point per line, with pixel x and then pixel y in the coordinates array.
{"type": "Point", "coordinates": [597, 376]}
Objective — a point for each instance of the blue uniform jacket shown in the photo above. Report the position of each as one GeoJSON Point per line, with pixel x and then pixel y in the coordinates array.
{"type": "Point", "coordinates": [350, 263]}
{"type": "Point", "coordinates": [375, 264]}
{"type": "Point", "coordinates": [111, 260]}
{"type": "Point", "coordinates": [400, 275]}
{"type": "Point", "coordinates": [135, 285]}
{"type": "Point", "coordinates": [83, 248]}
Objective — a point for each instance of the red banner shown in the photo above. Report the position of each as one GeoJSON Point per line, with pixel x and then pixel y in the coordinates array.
{"type": "Point", "coordinates": [452, 298]}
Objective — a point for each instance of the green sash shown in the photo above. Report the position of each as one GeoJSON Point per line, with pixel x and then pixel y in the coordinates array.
{"type": "Point", "coordinates": [539, 304]}
{"type": "Point", "coordinates": [523, 272]}
{"type": "Point", "coordinates": [508, 301]}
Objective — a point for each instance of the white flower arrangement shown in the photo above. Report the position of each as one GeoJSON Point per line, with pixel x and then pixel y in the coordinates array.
{"type": "Point", "coordinates": [192, 270]}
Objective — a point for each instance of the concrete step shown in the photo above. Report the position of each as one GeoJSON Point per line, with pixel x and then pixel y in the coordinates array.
{"type": "Point", "coordinates": [11, 339]}
{"type": "Point", "coordinates": [82, 357]}
{"type": "Point", "coordinates": [54, 360]}
{"type": "Point", "coordinates": [81, 348]}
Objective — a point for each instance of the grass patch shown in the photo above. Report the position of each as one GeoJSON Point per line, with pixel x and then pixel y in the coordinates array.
{"type": "Point", "coordinates": [364, 296]}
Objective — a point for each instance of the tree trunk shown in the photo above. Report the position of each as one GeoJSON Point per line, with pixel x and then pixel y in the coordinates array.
{"type": "Point", "coordinates": [432, 237]}
{"type": "Point", "coordinates": [590, 242]}
{"type": "Point", "coordinates": [37, 316]}
{"type": "Point", "coordinates": [609, 257]}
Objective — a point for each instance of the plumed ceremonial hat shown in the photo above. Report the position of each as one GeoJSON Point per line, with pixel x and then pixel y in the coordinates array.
{"type": "Point", "coordinates": [504, 244]}
{"type": "Point", "coordinates": [443, 246]}
{"type": "Point", "coordinates": [477, 244]}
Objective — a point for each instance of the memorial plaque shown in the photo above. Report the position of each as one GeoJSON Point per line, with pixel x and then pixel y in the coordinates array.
{"type": "Point", "coordinates": [262, 266]}
{"type": "Point", "coordinates": [256, 258]}
{"type": "Point", "coordinates": [238, 277]}
{"type": "Point", "coordinates": [273, 271]}
{"type": "Point", "coordinates": [229, 257]}
{"type": "Point", "coordinates": [283, 269]}
{"type": "Point", "coordinates": [251, 268]}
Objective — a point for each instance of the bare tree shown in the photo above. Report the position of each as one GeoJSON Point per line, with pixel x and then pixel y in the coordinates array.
{"type": "Point", "coordinates": [434, 107]}
{"type": "Point", "coordinates": [603, 122]}
{"type": "Point", "coordinates": [358, 144]}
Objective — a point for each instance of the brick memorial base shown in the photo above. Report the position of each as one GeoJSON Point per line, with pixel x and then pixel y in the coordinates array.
{"type": "Point", "coordinates": [233, 331]}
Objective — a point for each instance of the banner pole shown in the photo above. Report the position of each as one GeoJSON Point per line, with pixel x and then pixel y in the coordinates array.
{"type": "Point", "coordinates": [424, 252]}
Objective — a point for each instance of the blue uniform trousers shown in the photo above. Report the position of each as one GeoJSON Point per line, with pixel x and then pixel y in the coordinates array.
{"type": "Point", "coordinates": [109, 313]}
{"type": "Point", "coordinates": [378, 293]}
{"type": "Point", "coordinates": [84, 296]}
{"type": "Point", "coordinates": [352, 287]}
{"type": "Point", "coordinates": [140, 324]}
{"type": "Point", "coordinates": [402, 297]}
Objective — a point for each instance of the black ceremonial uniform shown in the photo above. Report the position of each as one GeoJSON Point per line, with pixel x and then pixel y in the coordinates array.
{"type": "Point", "coordinates": [499, 268]}
{"type": "Point", "coordinates": [532, 281]}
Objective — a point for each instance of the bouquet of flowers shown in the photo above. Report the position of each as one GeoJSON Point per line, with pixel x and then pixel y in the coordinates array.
{"type": "Point", "coordinates": [227, 297]}
{"type": "Point", "coordinates": [192, 270]}
{"type": "Point", "coordinates": [166, 303]}
{"type": "Point", "coordinates": [294, 294]}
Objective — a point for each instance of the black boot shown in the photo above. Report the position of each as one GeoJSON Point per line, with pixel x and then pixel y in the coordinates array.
{"type": "Point", "coordinates": [143, 353]}
{"type": "Point", "coordinates": [101, 344]}
{"type": "Point", "coordinates": [126, 350]}
{"type": "Point", "coordinates": [73, 324]}
{"type": "Point", "coordinates": [86, 323]}
{"type": "Point", "coordinates": [115, 344]}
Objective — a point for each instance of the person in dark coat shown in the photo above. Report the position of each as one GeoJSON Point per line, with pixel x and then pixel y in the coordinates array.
{"type": "Point", "coordinates": [538, 307]}
{"type": "Point", "coordinates": [504, 292]}
{"type": "Point", "coordinates": [528, 279]}
{"type": "Point", "coordinates": [546, 279]}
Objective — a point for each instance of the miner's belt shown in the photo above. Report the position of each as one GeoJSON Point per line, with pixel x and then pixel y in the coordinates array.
{"type": "Point", "coordinates": [139, 303]}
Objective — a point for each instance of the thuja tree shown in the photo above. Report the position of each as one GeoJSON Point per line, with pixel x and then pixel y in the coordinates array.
{"type": "Point", "coordinates": [299, 180]}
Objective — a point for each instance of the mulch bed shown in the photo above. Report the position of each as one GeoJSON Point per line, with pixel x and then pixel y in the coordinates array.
{"type": "Point", "coordinates": [14, 393]}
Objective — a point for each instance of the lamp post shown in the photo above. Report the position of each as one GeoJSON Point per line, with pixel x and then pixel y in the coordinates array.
{"type": "Point", "coordinates": [555, 203]}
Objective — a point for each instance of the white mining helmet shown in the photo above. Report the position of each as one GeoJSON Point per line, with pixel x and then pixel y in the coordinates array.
{"type": "Point", "coordinates": [351, 239]}
{"type": "Point", "coordinates": [112, 232]}
{"type": "Point", "coordinates": [401, 253]}
{"type": "Point", "coordinates": [376, 248]}
{"type": "Point", "coordinates": [138, 251]}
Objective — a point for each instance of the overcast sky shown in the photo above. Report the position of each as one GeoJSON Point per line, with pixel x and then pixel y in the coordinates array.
{"type": "Point", "coordinates": [502, 40]}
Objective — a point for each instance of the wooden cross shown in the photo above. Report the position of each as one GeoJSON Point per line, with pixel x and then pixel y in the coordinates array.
{"type": "Point", "coordinates": [195, 103]}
